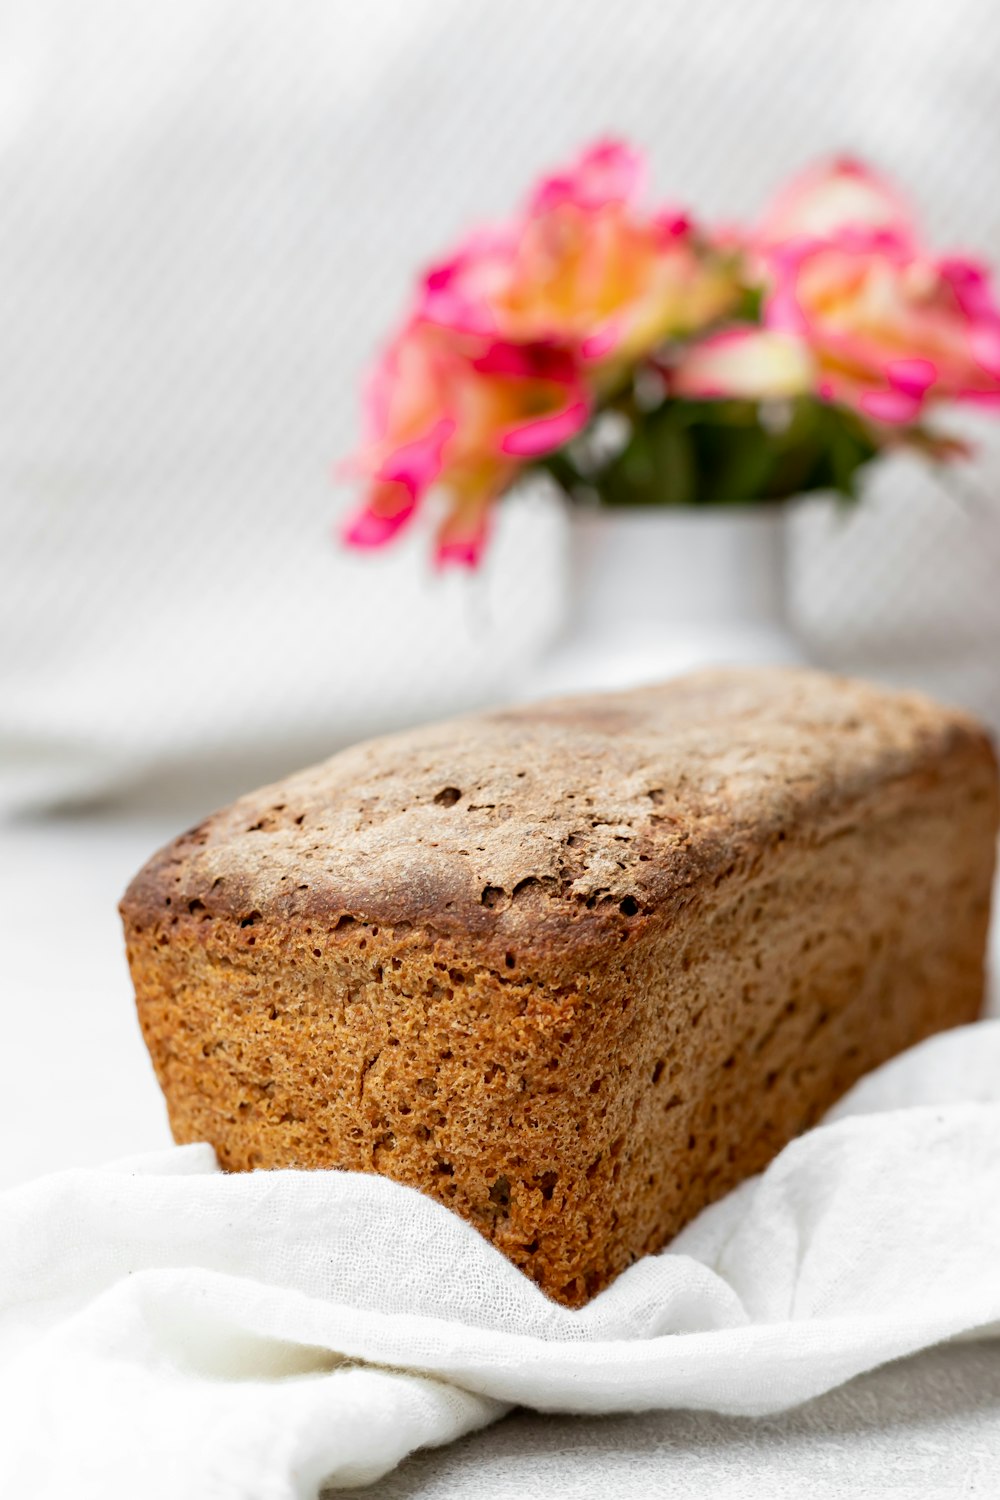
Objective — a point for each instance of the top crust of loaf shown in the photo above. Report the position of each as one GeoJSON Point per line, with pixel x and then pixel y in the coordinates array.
{"type": "Point", "coordinates": [556, 827]}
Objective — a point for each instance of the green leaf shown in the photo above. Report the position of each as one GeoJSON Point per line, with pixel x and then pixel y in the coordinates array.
{"type": "Point", "coordinates": [849, 446]}
{"type": "Point", "coordinates": [672, 456]}
{"type": "Point", "coordinates": [736, 464]}
{"type": "Point", "coordinates": [720, 452]}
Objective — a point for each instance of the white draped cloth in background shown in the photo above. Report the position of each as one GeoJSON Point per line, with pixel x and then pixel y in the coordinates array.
{"type": "Point", "coordinates": [167, 1331]}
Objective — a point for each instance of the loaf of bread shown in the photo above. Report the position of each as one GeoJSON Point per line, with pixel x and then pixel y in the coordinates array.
{"type": "Point", "coordinates": [578, 968]}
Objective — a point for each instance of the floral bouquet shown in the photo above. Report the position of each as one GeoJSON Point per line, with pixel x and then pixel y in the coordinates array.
{"type": "Point", "coordinates": [645, 360]}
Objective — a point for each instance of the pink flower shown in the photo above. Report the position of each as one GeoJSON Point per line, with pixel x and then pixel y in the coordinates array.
{"type": "Point", "coordinates": [514, 339]}
{"type": "Point", "coordinates": [463, 414]}
{"type": "Point", "coordinates": [889, 328]}
{"type": "Point", "coordinates": [748, 363]}
{"type": "Point", "coordinates": [607, 172]}
{"type": "Point", "coordinates": [408, 423]}
{"type": "Point", "coordinates": [586, 268]}
{"type": "Point", "coordinates": [528, 329]}
{"type": "Point", "coordinates": [835, 195]}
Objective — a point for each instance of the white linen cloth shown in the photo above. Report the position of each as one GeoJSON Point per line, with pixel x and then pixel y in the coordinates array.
{"type": "Point", "coordinates": [167, 1331]}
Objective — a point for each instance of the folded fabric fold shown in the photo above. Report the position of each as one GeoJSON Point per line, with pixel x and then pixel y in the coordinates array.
{"type": "Point", "coordinates": [168, 1330]}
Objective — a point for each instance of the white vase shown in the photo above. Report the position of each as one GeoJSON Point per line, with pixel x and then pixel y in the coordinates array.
{"type": "Point", "coordinates": [656, 592]}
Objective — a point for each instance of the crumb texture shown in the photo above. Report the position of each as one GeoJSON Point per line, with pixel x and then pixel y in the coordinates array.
{"type": "Point", "coordinates": [574, 969]}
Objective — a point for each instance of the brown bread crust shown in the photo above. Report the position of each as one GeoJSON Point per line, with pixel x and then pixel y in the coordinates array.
{"type": "Point", "coordinates": [578, 968]}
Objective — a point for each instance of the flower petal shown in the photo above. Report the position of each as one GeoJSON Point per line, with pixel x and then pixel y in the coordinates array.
{"type": "Point", "coordinates": [607, 172]}
{"type": "Point", "coordinates": [890, 328]}
{"type": "Point", "coordinates": [545, 434]}
{"type": "Point", "coordinates": [462, 535]}
{"type": "Point", "coordinates": [755, 364]}
{"type": "Point", "coordinates": [462, 552]}
{"type": "Point", "coordinates": [370, 527]}
{"type": "Point", "coordinates": [535, 361]}
{"type": "Point", "coordinates": [415, 465]}
{"type": "Point", "coordinates": [603, 341]}
{"type": "Point", "coordinates": [893, 407]}
{"type": "Point", "coordinates": [460, 292]}
{"type": "Point", "coordinates": [913, 376]}
{"type": "Point", "coordinates": [832, 196]}
{"type": "Point", "coordinates": [672, 224]}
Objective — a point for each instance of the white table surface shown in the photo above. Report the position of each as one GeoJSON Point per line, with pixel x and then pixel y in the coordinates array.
{"type": "Point", "coordinates": [78, 1089]}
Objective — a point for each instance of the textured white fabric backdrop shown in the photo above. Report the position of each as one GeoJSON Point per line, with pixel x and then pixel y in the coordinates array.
{"type": "Point", "coordinates": [209, 214]}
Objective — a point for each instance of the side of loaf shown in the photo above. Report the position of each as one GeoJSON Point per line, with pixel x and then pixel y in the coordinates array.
{"type": "Point", "coordinates": [575, 969]}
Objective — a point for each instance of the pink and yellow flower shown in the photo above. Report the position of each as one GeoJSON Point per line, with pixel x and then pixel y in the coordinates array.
{"type": "Point", "coordinates": [586, 269]}
{"type": "Point", "coordinates": [464, 415]}
{"type": "Point", "coordinates": [529, 329]}
{"type": "Point", "coordinates": [854, 309]}
{"type": "Point", "coordinates": [516, 337]}
{"type": "Point", "coordinates": [840, 194]}
{"type": "Point", "coordinates": [888, 327]}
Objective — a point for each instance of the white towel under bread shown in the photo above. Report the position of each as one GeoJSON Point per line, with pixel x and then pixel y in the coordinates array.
{"type": "Point", "coordinates": [167, 1331]}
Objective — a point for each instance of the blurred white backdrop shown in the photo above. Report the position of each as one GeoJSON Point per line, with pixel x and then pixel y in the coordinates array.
{"type": "Point", "coordinates": [210, 212]}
